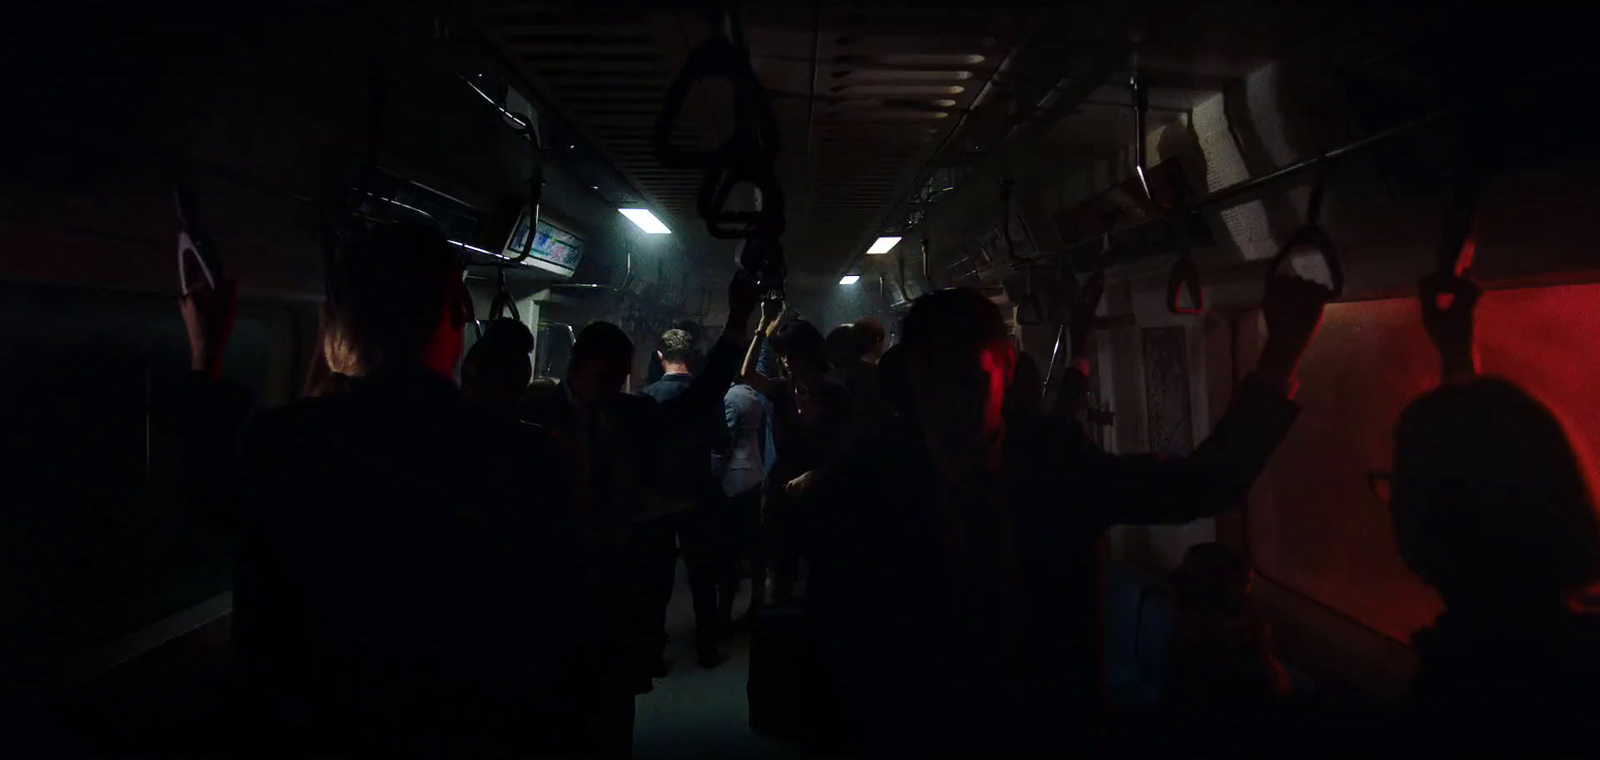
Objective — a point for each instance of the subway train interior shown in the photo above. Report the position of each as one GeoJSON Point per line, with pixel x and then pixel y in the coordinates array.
{"type": "Point", "coordinates": [1154, 197]}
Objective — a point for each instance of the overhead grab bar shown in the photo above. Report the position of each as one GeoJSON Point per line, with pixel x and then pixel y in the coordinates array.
{"type": "Point", "coordinates": [1226, 195]}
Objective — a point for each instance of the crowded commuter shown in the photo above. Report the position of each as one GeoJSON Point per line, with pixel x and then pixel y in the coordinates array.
{"type": "Point", "coordinates": [611, 451]}
{"type": "Point", "coordinates": [1494, 508]}
{"type": "Point", "coordinates": [954, 570]}
{"type": "Point", "coordinates": [689, 481]}
{"type": "Point", "coordinates": [809, 422]}
{"type": "Point", "coordinates": [748, 462]}
{"type": "Point", "coordinates": [370, 587]}
{"type": "Point", "coordinates": [497, 369]}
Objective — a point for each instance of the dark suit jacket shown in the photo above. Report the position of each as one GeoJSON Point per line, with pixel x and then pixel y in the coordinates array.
{"type": "Point", "coordinates": [921, 636]}
{"type": "Point", "coordinates": [687, 453]}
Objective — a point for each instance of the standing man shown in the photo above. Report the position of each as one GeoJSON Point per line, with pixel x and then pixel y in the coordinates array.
{"type": "Point", "coordinates": [959, 537]}
{"type": "Point", "coordinates": [691, 497]}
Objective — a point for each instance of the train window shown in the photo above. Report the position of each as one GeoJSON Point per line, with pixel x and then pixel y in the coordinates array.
{"type": "Point", "coordinates": [91, 523]}
{"type": "Point", "coordinates": [1314, 524]}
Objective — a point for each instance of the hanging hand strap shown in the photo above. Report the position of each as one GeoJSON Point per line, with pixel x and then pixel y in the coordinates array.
{"type": "Point", "coordinates": [199, 268]}
{"type": "Point", "coordinates": [1313, 236]}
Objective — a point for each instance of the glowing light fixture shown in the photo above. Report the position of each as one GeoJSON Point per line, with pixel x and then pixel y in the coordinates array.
{"type": "Point", "coordinates": [883, 244]}
{"type": "Point", "coordinates": [645, 220]}
{"type": "Point", "coordinates": [849, 279]}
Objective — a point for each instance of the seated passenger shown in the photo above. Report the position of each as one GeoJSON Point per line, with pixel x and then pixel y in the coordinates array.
{"type": "Point", "coordinates": [373, 570]}
{"type": "Point", "coordinates": [498, 367]}
{"type": "Point", "coordinates": [1494, 508]}
{"type": "Point", "coordinates": [954, 586]}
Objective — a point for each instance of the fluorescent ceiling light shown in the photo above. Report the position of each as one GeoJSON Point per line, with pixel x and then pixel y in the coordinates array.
{"type": "Point", "coordinates": [645, 220]}
{"type": "Point", "coordinates": [883, 245]}
{"type": "Point", "coordinates": [849, 279]}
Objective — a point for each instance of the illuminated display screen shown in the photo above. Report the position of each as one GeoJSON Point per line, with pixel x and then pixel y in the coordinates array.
{"type": "Point", "coordinates": [553, 248]}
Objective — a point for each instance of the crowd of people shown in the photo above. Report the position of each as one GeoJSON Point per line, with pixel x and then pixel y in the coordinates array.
{"type": "Point", "coordinates": [919, 516]}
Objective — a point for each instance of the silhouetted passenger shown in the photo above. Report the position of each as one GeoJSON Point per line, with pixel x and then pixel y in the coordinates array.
{"type": "Point", "coordinates": [873, 339]}
{"type": "Point", "coordinates": [895, 381]}
{"type": "Point", "coordinates": [697, 334]}
{"type": "Point", "coordinates": [751, 455]}
{"type": "Point", "coordinates": [497, 369]}
{"type": "Point", "coordinates": [844, 345]}
{"type": "Point", "coordinates": [954, 588]}
{"type": "Point", "coordinates": [809, 421]}
{"type": "Point", "coordinates": [370, 591]}
{"type": "Point", "coordinates": [690, 482]}
{"type": "Point", "coordinates": [612, 452]}
{"type": "Point", "coordinates": [1493, 508]}
{"type": "Point", "coordinates": [853, 352]}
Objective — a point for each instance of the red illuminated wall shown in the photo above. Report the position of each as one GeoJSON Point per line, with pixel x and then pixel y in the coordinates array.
{"type": "Point", "coordinates": [1314, 525]}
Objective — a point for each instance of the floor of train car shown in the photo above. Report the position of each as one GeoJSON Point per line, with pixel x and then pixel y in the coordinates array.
{"type": "Point", "coordinates": [173, 702]}
{"type": "Point", "coordinates": [170, 702]}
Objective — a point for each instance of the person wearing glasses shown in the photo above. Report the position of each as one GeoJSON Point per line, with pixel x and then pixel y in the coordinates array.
{"type": "Point", "coordinates": [1494, 508]}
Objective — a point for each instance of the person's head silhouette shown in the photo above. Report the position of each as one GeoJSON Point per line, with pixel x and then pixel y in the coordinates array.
{"type": "Point", "coordinates": [395, 298]}
{"type": "Point", "coordinates": [844, 346]}
{"type": "Point", "coordinates": [602, 359]}
{"type": "Point", "coordinates": [959, 361]}
{"type": "Point", "coordinates": [802, 351]}
{"type": "Point", "coordinates": [1491, 504]}
{"type": "Point", "coordinates": [498, 368]}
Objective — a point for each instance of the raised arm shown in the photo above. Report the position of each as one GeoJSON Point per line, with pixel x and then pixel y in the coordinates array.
{"type": "Point", "coordinates": [1448, 301]}
{"type": "Point", "coordinates": [750, 373]}
{"type": "Point", "coordinates": [206, 414]}
{"type": "Point", "coordinates": [1218, 474]}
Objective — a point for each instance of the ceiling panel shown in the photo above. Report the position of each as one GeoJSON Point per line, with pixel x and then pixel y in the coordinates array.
{"type": "Point", "coordinates": [864, 94]}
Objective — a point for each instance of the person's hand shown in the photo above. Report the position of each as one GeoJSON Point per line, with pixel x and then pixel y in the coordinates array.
{"type": "Point", "coordinates": [799, 486]}
{"type": "Point", "coordinates": [208, 316]}
{"type": "Point", "coordinates": [771, 326]}
{"type": "Point", "coordinates": [771, 309]}
{"type": "Point", "coordinates": [744, 293]}
{"type": "Point", "coordinates": [1448, 302]}
{"type": "Point", "coordinates": [1293, 310]}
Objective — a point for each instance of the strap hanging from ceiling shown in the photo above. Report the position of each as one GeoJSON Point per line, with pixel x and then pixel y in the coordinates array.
{"type": "Point", "coordinates": [747, 158]}
{"type": "Point", "coordinates": [195, 246]}
{"type": "Point", "coordinates": [1312, 236]}
{"type": "Point", "coordinates": [1185, 274]}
